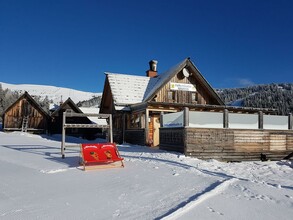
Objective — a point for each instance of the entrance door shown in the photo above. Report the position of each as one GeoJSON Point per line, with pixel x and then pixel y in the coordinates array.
{"type": "Point", "coordinates": [156, 132]}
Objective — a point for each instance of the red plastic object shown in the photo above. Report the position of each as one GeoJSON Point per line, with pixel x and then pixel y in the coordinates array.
{"type": "Point", "coordinates": [101, 153]}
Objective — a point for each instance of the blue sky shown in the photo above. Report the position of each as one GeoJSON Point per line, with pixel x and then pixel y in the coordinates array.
{"type": "Point", "coordinates": [71, 43]}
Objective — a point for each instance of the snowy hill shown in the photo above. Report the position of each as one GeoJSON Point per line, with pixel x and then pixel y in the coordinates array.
{"type": "Point", "coordinates": [52, 92]}
{"type": "Point", "coordinates": [278, 96]}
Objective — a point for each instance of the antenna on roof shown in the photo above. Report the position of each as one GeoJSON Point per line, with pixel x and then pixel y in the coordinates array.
{"type": "Point", "coordinates": [185, 72]}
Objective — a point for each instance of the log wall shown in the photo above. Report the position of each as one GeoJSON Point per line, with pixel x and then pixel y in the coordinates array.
{"type": "Point", "coordinates": [237, 144]}
{"type": "Point", "coordinates": [185, 97]}
{"type": "Point", "coordinates": [14, 116]}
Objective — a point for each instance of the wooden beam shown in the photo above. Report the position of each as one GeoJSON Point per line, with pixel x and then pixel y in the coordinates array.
{"type": "Point", "coordinates": [85, 126]}
{"type": "Point", "coordinates": [146, 126]}
{"type": "Point", "coordinates": [290, 121]}
{"type": "Point", "coordinates": [186, 117]}
{"type": "Point", "coordinates": [63, 135]}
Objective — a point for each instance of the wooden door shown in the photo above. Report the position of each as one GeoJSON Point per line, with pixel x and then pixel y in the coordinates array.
{"type": "Point", "coordinates": [156, 130]}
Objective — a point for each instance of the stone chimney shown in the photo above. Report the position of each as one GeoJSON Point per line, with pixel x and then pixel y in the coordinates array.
{"type": "Point", "coordinates": [152, 72]}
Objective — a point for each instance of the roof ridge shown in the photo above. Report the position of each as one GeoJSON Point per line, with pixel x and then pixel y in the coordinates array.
{"type": "Point", "coordinates": [125, 74]}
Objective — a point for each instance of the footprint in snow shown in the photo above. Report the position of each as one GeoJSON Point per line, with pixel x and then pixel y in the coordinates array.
{"type": "Point", "coordinates": [212, 210]}
{"type": "Point", "coordinates": [122, 196]}
{"type": "Point", "coordinates": [116, 213]}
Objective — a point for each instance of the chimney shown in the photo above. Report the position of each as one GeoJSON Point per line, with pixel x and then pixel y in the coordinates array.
{"type": "Point", "coordinates": [152, 72]}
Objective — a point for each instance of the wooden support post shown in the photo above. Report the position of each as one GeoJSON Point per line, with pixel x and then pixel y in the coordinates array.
{"type": "Point", "coordinates": [146, 131]}
{"type": "Point", "coordinates": [110, 129]}
{"type": "Point", "coordinates": [186, 117]}
{"type": "Point", "coordinates": [63, 135]}
{"type": "Point", "coordinates": [161, 119]}
{"type": "Point", "coordinates": [226, 118]}
{"type": "Point", "coordinates": [123, 128]}
{"type": "Point", "coordinates": [74, 114]}
{"type": "Point", "coordinates": [260, 120]}
{"type": "Point", "coordinates": [290, 122]}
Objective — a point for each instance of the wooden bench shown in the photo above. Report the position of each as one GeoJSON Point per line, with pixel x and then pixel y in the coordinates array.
{"type": "Point", "coordinates": [100, 155]}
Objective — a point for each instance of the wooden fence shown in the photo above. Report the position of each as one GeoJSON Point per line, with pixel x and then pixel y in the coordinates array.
{"type": "Point", "coordinates": [228, 137]}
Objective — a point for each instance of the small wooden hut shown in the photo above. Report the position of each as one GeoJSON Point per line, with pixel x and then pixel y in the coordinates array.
{"type": "Point", "coordinates": [136, 102]}
{"type": "Point", "coordinates": [25, 114]}
{"type": "Point", "coordinates": [57, 117]}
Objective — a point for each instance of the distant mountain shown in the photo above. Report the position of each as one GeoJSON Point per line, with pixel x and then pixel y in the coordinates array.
{"type": "Point", "coordinates": [48, 97]}
{"type": "Point", "coordinates": [278, 96]}
{"type": "Point", "coordinates": [53, 93]}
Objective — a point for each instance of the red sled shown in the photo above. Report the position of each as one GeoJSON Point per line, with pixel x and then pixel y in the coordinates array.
{"type": "Point", "coordinates": [101, 155]}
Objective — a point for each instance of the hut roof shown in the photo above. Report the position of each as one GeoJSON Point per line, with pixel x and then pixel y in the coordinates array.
{"type": "Point", "coordinates": [31, 100]}
{"type": "Point", "coordinates": [132, 89]}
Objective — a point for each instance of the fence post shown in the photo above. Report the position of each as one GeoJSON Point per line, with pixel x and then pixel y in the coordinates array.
{"type": "Point", "coordinates": [161, 119]}
{"type": "Point", "coordinates": [290, 121]}
{"type": "Point", "coordinates": [186, 117]}
{"type": "Point", "coordinates": [146, 131]}
{"type": "Point", "coordinates": [226, 118]}
{"type": "Point", "coordinates": [260, 120]}
{"type": "Point", "coordinates": [123, 128]}
{"type": "Point", "coordinates": [110, 129]}
{"type": "Point", "coordinates": [63, 134]}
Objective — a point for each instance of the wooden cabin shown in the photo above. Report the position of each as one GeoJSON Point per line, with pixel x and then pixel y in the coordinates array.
{"type": "Point", "coordinates": [138, 102]}
{"type": "Point", "coordinates": [57, 117]}
{"type": "Point", "coordinates": [25, 114]}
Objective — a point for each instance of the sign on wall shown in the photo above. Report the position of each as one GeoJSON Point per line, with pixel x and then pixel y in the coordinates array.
{"type": "Point", "coordinates": [183, 87]}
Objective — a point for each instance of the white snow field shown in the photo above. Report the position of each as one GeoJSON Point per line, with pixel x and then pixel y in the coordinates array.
{"type": "Point", "coordinates": [36, 183]}
{"type": "Point", "coordinates": [54, 93]}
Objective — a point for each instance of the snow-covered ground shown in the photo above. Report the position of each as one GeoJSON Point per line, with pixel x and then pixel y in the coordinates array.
{"type": "Point", "coordinates": [36, 183]}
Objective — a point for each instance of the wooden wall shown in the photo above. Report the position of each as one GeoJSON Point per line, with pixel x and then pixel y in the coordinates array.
{"type": "Point", "coordinates": [237, 144]}
{"type": "Point", "coordinates": [14, 116]}
{"type": "Point", "coordinates": [185, 97]}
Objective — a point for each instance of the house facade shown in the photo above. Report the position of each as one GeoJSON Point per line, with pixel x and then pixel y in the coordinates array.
{"type": "Point", "coordinates": [136, 102]}
{"type": "Point", "coordinates": [138, 105]}
{"type": "Point", "coordinates": [25, 114]}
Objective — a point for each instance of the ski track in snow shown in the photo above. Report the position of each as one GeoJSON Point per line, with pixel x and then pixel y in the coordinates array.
{"type": "Point", "coordinates": [193, 201]}
{"type": "Point", "coordinates": [58, 170]}
{"type": "Point", "coordinates": [11, 212]}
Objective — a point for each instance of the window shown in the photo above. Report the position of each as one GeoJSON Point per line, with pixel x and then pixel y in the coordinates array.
{"type": "Point", "coordinates": [135, 121]}
{"type": "Point", "coordinates": [194, 97]}
{"type": "Point", "coordinates": [171, 96]}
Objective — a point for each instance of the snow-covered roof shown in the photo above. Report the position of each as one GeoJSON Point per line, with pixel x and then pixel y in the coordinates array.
{"type": "Point", "coordinates": [91, 110]}
{"type": "Point", "coordinates": [131, 89]}
{"type": "Point", "coordinates": [128, 89]}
